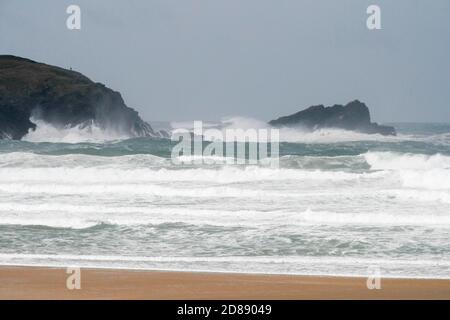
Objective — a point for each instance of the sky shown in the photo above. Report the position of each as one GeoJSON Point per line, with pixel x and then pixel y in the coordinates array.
{"type": "Point", "coordinates": [178, 60]}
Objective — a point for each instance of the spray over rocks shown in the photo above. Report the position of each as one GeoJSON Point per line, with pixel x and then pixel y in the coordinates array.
{"type": "Point", "coordinates": [34, 93]}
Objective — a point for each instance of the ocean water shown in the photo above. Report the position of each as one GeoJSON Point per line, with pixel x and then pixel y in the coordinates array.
{"type": "Point", "coordinates": [340, 203]}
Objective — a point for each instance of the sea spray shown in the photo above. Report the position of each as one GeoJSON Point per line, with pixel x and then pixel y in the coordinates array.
{"type": "Point", "coordinates": [89, 132]}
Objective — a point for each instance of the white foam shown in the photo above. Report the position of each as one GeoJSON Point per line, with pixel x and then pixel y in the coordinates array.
{"type": "Point", "coordinates": [264, 259]}
{"type": "Point", "coordinates": [415, 195]}
{"type": "Point", "coordinates": [46, 132]}
{"type": "Point", "coordinates": [81, 191]}
{"type": "Point", "coordinates": [330, 135]}
{"type": "Point", "coordinates": [406, 161]}
{"type": "Point", "coordinates": [293, 135]}
{"type": "Point", "coordinates": [227, 174]}
{"type": "Point", "coordinates": [414, 170]}
{"type": "Point", "coordinates": [149, 190]}
{"type": "Point", "coordinates": [304, 265]}
{"type": "Point", "coordinates": [297, 135]}
{"type": "Point", "coordinates": [431, 179]}
{"type": "Point", "coordinates": [62, 215]}
{"type": "Point", "coordinates": [28, 171]}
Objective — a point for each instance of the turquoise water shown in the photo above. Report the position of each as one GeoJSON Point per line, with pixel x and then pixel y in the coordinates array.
{"type": "Point", "coordinates": [338, 204]}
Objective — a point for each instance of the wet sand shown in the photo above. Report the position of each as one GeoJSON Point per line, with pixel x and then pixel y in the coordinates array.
{"type": "Point", "coordinates": [51, 283]}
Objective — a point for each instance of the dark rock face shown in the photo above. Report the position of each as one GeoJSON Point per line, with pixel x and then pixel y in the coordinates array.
{"type": "Point", "coordinates": [61, 97]}
{"type": "Point", "coordinates": [353, 116]}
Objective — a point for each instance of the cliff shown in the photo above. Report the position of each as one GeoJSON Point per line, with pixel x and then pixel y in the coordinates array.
{"type": "Point", "coordinates": [60, 97]}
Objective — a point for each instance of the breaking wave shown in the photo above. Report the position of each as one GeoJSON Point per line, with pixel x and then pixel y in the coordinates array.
{"type": "Point", "coordinates": [60, 215]}
{"type": "Point", "coordinates": [302, 265]}
{"type": "Point", "coordinates": [325, 203]}
{"type": "Point", "coordinates": [319, 136]}
{"type": "Point", "coordinates": [407, 161]}
{"type": "Point", "coordinates": [293, 135]}
{"type": "Point", "coordinates": [415, 170]}
{"type": "Point", "coordinates": [89, 132]}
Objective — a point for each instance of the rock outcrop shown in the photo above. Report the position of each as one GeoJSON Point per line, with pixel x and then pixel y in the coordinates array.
{"type": "Point", "coordinates": [60, 97]}
{"type": "Point", "coordinates": [354, 116]}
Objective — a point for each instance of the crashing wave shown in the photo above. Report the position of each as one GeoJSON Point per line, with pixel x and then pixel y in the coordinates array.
{"type": "Point", "coordinates": [406, 161]}
{"type": "Point", "coordinates": [85, 132]}
{"type": "Point", "coordinates": [292, 135]}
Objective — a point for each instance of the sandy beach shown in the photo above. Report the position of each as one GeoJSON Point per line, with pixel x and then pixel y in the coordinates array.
{"type": "Point", "coordinates": [50, 283]}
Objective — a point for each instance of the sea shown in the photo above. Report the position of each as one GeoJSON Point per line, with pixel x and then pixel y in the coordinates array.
{"type": "Point", "coordinates": [338, 203]}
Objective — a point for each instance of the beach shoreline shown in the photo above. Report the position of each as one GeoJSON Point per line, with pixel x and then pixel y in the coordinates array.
{"type": "Point", "coordinates": [18, 282]}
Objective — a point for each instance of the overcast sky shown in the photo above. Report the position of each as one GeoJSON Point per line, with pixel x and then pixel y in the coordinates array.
{"type": "Point", "coordinates": [207, 59]}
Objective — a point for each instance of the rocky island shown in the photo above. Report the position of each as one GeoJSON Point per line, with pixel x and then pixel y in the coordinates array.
{"type": "Point", "coordinates": [354, 116]}
{"type": "Point", "coordinates": [63, 98]}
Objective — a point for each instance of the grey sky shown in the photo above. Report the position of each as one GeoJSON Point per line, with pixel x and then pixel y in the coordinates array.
{"type": "Point", "coordinates": [206, 59]}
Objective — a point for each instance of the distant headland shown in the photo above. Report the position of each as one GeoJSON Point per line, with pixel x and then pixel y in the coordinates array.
{"type": "Point", "coordinates": [61, 97]}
